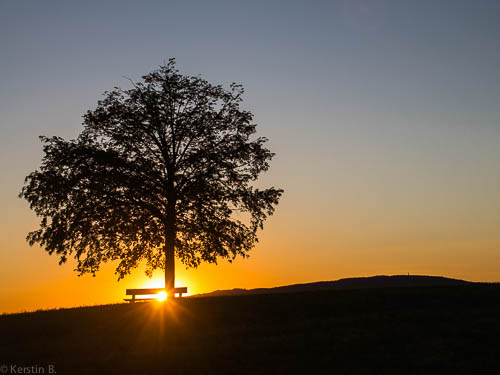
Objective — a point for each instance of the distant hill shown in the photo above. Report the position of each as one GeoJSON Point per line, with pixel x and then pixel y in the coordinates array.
{"type": "Point", "coordinates": [349, 283]}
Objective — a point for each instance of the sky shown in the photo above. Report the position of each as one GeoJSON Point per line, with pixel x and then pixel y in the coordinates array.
{"type": "Point", "coordinates": [384, 117]}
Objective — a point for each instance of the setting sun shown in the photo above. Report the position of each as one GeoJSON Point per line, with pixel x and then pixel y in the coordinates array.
{"type": "Point", "coordinates": [162, 296]}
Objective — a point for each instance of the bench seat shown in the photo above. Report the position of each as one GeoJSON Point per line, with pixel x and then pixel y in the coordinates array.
{"type": "Point", "coordinates": [139, 299]}
{"type": "Point", "coordinates": [149, 291]}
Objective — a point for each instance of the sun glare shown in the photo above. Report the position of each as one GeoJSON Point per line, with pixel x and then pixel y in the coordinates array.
{"type": "Point", "coordinates": [162, 296]}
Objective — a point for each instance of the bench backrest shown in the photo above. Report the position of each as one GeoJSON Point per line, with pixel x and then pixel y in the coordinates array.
{"type": "Point", "coordinates": [153, 291]}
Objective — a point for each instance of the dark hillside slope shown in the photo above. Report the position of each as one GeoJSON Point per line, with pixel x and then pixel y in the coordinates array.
{"type": "Point", "coordinates": [412, 330]}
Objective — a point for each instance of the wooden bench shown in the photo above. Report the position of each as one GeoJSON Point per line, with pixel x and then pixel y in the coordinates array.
{"type": "Point", "coordinates": [147, 291]}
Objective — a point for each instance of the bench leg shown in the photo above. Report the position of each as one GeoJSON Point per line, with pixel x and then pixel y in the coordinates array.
{"type": "Point", "coordinates": [133, 298]}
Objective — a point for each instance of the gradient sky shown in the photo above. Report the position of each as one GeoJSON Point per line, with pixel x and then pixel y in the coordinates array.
{"type": "Point", "coordinates": [384, 116]}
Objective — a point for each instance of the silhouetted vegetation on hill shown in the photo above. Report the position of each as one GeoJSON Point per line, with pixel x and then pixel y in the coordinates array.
{"type": "Point", "coordinates": [349, 283]}
{"type": "Point", "coordinates": [412, 330]}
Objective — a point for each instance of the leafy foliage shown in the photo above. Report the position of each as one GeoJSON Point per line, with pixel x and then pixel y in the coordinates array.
{"type": "Point", "coordinates": [169, 162]}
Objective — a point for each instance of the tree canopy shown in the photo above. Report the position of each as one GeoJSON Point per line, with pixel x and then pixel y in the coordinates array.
{"type": "Point", "coordinates": [164, 167]}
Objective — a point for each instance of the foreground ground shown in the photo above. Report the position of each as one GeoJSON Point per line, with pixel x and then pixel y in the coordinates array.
{"type": "Point", "coordinates": [429, 330]}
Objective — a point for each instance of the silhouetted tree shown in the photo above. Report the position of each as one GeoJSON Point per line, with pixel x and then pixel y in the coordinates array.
{"type": "Point", "coordinates": [162, 169]}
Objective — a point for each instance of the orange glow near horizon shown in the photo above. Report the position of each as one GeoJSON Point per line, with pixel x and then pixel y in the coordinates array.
{"type": "Point", "coordinates": [322, 258]}
{"type": "Point", "coordinates": [158, 281]}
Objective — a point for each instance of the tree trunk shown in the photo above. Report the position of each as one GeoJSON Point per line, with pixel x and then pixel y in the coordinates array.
{"type": "Point", "coordinates": [170, 234]}
{"type": "Point", "coordinates": [169, 265]}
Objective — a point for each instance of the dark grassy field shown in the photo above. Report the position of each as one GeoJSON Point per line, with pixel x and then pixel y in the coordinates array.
{"type": "Point", "coordinates": [425, 330]}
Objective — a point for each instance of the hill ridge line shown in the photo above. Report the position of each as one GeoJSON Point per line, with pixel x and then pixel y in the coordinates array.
{"type": "Point", "coordinates": [377, 281]}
